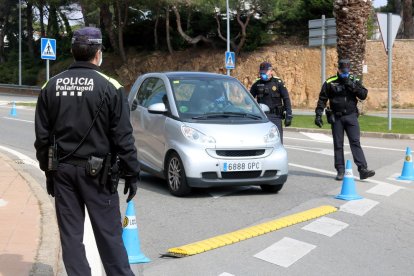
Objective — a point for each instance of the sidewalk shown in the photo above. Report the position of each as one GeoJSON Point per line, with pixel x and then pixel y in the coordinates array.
{"type": "Point", "coordinates": [28, 234]}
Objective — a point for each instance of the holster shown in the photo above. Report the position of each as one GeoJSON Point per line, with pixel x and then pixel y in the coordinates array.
{"type": "Point", "coordinates": [330, 116]}
{"type": "Point", "coordinates": [94, 165]}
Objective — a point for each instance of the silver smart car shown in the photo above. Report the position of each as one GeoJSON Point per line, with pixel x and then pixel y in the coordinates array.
{"type": "Point", "coordinates": [199, 129]}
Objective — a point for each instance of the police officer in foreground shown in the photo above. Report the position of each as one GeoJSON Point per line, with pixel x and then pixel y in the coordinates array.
{"type": "Point", "coordinates": [343, 91]}
{"type": "Point", "coordinates": [271, 90]}
{"type": "Point", "coordinates": [82, 127]}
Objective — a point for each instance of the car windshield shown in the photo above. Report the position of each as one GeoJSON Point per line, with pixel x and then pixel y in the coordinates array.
{"type": "Point", "coordinates": [213, 98]}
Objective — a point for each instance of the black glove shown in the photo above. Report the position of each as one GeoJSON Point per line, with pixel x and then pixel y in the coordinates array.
{"type": "Point", "coordinates": [350, 83]}
{"type": "Point", "coordinates": [288, 120]}
{"type": "Point", "coordinates": [318, 121]}
{"type": "Point", "coordinates": [131, 184]}
{"type": "Point", "coordinates": [50, 185]}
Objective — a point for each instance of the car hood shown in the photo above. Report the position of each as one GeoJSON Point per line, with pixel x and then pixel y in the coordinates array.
{"type": "Point", "coordinates": [236, 135]}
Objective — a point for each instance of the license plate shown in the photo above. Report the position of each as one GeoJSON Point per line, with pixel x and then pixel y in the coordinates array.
{"type": "Point", "coordinates": [234, 166]}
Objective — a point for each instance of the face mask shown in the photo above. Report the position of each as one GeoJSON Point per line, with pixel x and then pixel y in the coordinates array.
{"type": "Point", "coordinates": [264, 76]}
{"type": "Point", "coordinates": [100, 59]}
{"type": "Point", "coordinates": [344, 75]}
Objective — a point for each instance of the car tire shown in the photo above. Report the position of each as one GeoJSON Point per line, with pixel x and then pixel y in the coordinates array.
{"type": "Point", "coordinates": [176, 177]}
{"type": "Point", "coordinates": [271, 188]}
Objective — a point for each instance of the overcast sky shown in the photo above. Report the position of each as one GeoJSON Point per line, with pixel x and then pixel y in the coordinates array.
{"type": "Point", "coordinates": [379, 3]}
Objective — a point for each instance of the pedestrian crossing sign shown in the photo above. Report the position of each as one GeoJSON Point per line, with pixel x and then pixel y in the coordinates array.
{"type": "Point", "coordinates": [230, 60]}
{"type": "Point", "coordinates": [48, 48]}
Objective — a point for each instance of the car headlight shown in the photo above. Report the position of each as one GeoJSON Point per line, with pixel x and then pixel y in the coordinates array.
{"type": "Point", "coordinates": [196, 136]}
{"type": "Point", "coordinates": [272, 136]}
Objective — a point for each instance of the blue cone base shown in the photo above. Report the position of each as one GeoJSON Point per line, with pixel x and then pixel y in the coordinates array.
{"type": "Point", "coordinates": [405, 177]}
{"type": "Point", "coordinates": [138, 259]}
{"type": "Point", "coordinates": [348, 197]}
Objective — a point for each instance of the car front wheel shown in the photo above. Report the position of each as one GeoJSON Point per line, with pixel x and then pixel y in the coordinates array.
{"type": "Point", "coordinates": [176, 178]}
{"type": "Point", "coordinates": [271, 188]}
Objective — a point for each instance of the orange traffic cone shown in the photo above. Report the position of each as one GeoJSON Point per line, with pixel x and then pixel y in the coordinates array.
{"type": "Point", "coordinates": [130, 237]}
{"type": "Point", "coordinates": [348, 191]}
{"type": "Point", "coordinates": [408, 169]}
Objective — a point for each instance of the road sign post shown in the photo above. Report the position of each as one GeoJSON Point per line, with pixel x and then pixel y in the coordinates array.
{"type": "Point", "coordinates": [389, 25]}
{"type": "Point", "coordinates": [230, 60]}
{"type": "Point", "coordinates": [48, 52]}
{"type": "Point", "coordinates": [322, 32]}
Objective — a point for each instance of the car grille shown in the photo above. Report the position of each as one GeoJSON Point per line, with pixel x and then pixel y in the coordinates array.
{"type": "Point", "coordinates": [240, 175]}
{"type": "Point", "coordinates": [240, 153]}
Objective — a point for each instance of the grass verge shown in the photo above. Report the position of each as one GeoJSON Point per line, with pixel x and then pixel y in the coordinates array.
{"type": "Point", "coordinates": [367, 123]}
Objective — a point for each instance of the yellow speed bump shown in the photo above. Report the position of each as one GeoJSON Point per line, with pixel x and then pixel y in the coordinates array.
{"type": "Point", "coordinates": [249, 232]}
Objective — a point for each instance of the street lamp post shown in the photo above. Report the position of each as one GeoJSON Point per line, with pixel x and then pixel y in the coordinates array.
{"type": "Point", "coordinates": [20, 42]}
{"type": "Point", "coordinates": [228, 31]}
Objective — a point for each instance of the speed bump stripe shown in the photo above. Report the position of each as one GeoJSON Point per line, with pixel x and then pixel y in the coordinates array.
{"type": "Point", "coordinates": [250, 232]}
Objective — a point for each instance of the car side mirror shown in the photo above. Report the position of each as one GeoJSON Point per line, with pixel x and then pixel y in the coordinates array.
{"type": "Point", "coordinates": [158, 108]}
{"type": "Point", "coordinates": [264, 107]}
{"type": "Point", "coordinates": [134, 104]}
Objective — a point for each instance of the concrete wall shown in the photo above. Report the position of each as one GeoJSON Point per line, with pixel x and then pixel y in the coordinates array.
{"type": "Point", "coordinates": [298, 66]}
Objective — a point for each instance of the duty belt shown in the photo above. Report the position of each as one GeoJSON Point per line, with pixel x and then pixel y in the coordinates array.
{"type": "Point", "coordinates": [75, 161]}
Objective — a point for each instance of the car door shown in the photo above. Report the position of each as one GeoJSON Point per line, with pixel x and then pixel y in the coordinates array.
{"type": "Point", "coordinates": [149, 128]}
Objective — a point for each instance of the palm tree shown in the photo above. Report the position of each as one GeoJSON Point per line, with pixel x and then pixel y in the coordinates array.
{"type": "Point", "coordinates": [351, 28]}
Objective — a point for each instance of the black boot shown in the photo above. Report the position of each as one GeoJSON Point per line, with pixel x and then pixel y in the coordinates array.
{"type": "Point", "coordinates": [339, 176]}
{"type": "Point", "coordinates": [365, 173]}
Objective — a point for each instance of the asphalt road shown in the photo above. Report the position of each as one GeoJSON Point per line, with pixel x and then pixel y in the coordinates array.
{"type": "Point", "coordinates": [376, 237]}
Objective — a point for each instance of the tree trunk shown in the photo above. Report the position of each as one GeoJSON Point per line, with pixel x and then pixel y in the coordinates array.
{"type": "Point", "coordinates": [243, 27]}
{"type": "Point", "coordinates": [68, 28]}
{"type": "Point", "coordinates": [52, 23]}
{"type": "Point", "coordinates": [397, 4]}
{"type": "Point", "coordinates": [220, 35]}
{"type": "Point", "coordinates": [157, 20]}
{"type": "Point", "coordinates": [83, 4]}
{"type": "Point", "coordinates": [408, 19]}
{"type": "Point", "coordinates": [186, 37]}
{"type": "Point", "coordinates": [106, 19]}
{"type": "Point", "coordinates": [29, 28]}
{"type": "Point", "coordinates": [41, 18]}
{"type": "Point", "coordinates": [167, 29]}
{"type": "Point", "coordinates": [121, 24]}
{"type": "Point", "coordinates": [351, 28]}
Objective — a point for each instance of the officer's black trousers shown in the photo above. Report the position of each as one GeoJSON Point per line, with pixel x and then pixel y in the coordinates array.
{"type": "Point", "coordinates": [349, 124]}
{"type": "Point", "coordinates": [73, 191]}
{"type": "Point", "coordinates": [277, 120]}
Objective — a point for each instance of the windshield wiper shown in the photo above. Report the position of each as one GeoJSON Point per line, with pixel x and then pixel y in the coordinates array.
{"type": "Point", "coordinates": [226, 115]}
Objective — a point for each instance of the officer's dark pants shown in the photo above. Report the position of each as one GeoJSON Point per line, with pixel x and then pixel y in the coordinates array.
{"type": "Point", "coordinates": [73, 190]}
{"type": "Point", "coordinates": [277, 120]}
{"type": "Point", "coordinates": [349, 124]}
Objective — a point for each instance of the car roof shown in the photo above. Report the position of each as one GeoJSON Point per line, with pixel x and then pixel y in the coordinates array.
{"type": "Point", "coordinates": [181, 74]}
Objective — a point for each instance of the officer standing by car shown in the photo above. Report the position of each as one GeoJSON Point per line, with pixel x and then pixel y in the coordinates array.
{"type": "Point", "coordinates": [271, 90]}
{"type": "Point", "coordinates": [343, 91]}
{"type": "Point", "coordinates": [82, 124]}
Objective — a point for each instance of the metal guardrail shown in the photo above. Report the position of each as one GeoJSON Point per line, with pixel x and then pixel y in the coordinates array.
{"type": "Point", "coordinates": [19, 89]}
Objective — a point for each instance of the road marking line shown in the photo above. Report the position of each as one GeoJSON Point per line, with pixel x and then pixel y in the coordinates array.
{"type": "Point", "coordinates": [226, 274]}
{"type": "Point", "coordinates": [312, 169]}
{"type": "Point", "coordinates": [318, 136]}
{"type": "Point", "coordinates": [249, 232]}
{"type": "Point", "coordinates": [326, 226]}
{"type": "Point", "coordinates": [285, 252]}
{"type": "Point", "coordinates": [384, 189]}
{"type": "Point", "coordinates": [345, 144]}
{"type": "Point", "coordinates": [20, 120]}
{"type": "Point", "coordinates": [358, 207]}
{"type": "Point", "coordinates": [328, 152]}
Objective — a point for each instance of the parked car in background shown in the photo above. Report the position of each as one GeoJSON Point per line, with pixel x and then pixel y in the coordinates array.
{"type": "Point", "coordinates": [197, 129]}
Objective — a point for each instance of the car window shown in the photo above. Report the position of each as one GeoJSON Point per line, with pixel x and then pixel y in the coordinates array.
{"type": "Point", "coordinates": [151, 92]}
